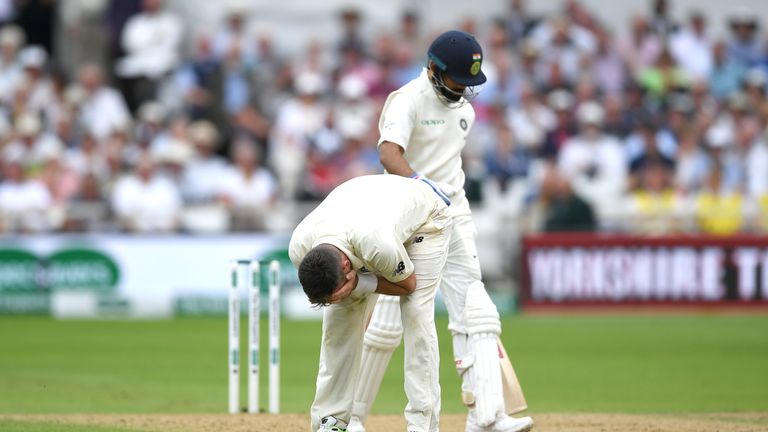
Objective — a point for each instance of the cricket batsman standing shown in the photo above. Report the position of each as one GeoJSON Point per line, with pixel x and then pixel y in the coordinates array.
{"type": "Point", "coordinates": [424, 127]}
{"type": "Point", "coordinates": [374, 234]}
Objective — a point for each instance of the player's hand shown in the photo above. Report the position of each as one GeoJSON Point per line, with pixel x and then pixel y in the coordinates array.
{"type": "Point", "coordinates": [442, 194]}
{"type": "Point", "coordinates": [346, 288]}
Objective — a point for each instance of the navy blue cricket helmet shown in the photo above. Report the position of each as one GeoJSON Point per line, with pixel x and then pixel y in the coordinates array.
{"type": "Point", "coordinates": [459, 56]}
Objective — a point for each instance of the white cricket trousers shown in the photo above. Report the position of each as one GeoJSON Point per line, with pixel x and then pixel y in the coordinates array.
{"type": "Point", "coordinates": [344, 326]}
{"type": "Point", "coordinates": [462, 269]}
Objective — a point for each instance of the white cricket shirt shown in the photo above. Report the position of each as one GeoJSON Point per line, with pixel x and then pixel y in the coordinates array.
{"type": "Point", "coordinates": [432, 135]}
{"type": "Point", "coordinates": [370, 218]}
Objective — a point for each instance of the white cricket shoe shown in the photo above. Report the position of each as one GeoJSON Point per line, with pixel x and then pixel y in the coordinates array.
{"type": "Point", "coordinates": [503, 423]}
{"type": "Point", "coordinates": [332, 424]}
{"type": "Point", "coordinates": [355, 425]}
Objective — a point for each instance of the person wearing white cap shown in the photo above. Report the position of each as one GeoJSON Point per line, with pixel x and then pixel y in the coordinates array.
{"type": "Point", "coordinates": [248, 188]}
{"type": "Point", "coordinates": [31, 142]}
{"type": "Point", "coordinates": [298, 118]}
{"type": "Point", "coordinates": [23, 201]}
{"type": "Point", "coordinates": [36, 92]}
{"type": "Point", "coordinates": [200, 183]}
{"type": "Point", "coordinates": [144, 201]}
{"type": "Point", "coordinates": [594, 161]}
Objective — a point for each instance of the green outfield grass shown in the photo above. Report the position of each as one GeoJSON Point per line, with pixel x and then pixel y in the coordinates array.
{"type": "Point", "coordinates": [592, 364]}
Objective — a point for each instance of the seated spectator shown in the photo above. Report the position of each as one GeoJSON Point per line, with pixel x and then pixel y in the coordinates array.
{"type": "Point", "coordinates": [520, 22]}
{"type": "Point", "coordinates": [199, 82]}
{"type": "Point", "coordinates": [358, 155]}
{"type": "Point", "coordinates": [531, 120]}
{"type": "Point", "coordinates": [248, 188]}
{"type": "Point", "coordinates": [558, 208]}
{"type": "Point", "coordinates": [63, 184]}
{"type": "Point", "coordinates": [649, 144]}
{"type": "Point", "coordinates": [745, 43]}
{"type": "Point", "coordinates": [36, 93]}
{"type": "Point", "coordinates": [236, 34]}
{"type": "Point", "coordinates": [87, 158]}
{"type": "Point", "coordinates": [726, 74]}
{"type": "Point", "coordinates": [654, 207]}
{"type": "Point", "coordinates": [691, 47]}
{"type": "Point", "coordinates": [560, 41]}
{"type": "Point", "coordinates": [750, 152]}
{"type": "Point", "coordinates": [561, 102]}
{"type": "Point", "coordinates": [237, 97]}
{"type": "Point", "coordinates": [145, 202]}
{"type": "Point", "coordinates": [593, 162]}
{"type": "Point", "coordinates": [664, 76]}
{"type": "Point", "coordinates": [615, 122]}
{"type": "Point", "coordinates": [641, 47]}
{"type": "Point", "coordinates": [322, 177]}
{"type": "Point", "coordinates": [32, 144]}
{"type": "Point", "coordinates": [753, 85]}
{"type": "Point", "coordinates": [352, 107]}
{"type": "Point", "coordinates": [297, 119]}
{"type": "Point", "coordinates": [724, 126]}
{"type": "Point", "coordinates": [608, 69]}
{"type": "Point", "coordinates": [661, 21]}
{"type": "Point", "coordinates": [692, 162]}
{"type": "Point", "coordinates": [24, 201]}
{"type": "Point", "coordinates": [103, 108]}
{"type": "Point", "coordinates": [729, 161]}
{"type": "Point", "coordinates": [201, 180]}
{"type": "Point", "coordinates": [508, 161]}
{"type": "Point", "coordinates": [719, 210]}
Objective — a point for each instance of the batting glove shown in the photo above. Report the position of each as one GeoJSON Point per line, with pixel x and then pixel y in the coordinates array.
{"type": "Point", "coordinates": [443, 196]}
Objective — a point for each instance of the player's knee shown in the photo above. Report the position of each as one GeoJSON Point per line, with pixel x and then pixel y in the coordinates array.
{"type": "Point", "coordinates": [384, 338]}
{"type": "Point", "coordinates": [386, 328]}
{"type": "Point", "coordinates": [480, 313]}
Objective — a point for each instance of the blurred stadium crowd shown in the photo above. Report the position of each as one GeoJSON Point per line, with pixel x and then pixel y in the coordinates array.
{"type": "Point", "coordinates": [110, 121]}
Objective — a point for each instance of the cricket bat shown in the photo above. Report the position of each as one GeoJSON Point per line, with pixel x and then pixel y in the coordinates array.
{"type": "Point", "coordinates": [514, 400]}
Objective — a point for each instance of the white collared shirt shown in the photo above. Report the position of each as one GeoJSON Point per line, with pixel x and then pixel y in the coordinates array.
{"type": "Point", "coordinates": [369, 218]}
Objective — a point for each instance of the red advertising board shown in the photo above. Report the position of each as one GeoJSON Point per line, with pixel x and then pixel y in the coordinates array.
{"type": "Point", "coordinates": [598, 269]}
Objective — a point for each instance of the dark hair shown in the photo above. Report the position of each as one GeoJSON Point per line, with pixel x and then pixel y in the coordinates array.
{"type": "Point", "coordinates": [320, 273]}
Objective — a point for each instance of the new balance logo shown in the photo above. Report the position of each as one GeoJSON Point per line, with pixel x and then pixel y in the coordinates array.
{"type": "Point", "coordinates": [400, 268]}
{"type": "Point", "coordinates": [418, 239]}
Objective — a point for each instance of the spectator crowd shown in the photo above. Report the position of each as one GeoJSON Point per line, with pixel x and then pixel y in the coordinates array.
{"type": "Point", "coordinates": [144, 123]}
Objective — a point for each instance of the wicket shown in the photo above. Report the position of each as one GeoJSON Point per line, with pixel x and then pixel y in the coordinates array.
{"type": "Point", "coordinates": [246, 274]}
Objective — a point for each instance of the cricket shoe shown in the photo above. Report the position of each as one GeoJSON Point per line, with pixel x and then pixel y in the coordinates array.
{"type": "Point", "coordinates": [355, 425]}
{"type": "Point", "coordinates": [332, 424]}
{"type": "Point", "coordinates": [503, 423]}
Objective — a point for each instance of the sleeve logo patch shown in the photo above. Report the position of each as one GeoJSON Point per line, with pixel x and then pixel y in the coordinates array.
{"type": "Point", "coordinates": [400, 268]}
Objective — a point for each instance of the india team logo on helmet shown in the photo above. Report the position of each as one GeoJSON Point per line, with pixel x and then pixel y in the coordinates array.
{"type": "Point", "coordinates": [476, 62]}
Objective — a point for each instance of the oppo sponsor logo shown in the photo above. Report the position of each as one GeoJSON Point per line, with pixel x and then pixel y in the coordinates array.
{"type": "Point", "coordinates": [432, 122]}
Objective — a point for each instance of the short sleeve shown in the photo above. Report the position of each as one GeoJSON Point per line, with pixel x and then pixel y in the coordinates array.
{"type": "Point", "coordinates": [397, 120]}
{"type": "Point", "coordinates": [385, 256]}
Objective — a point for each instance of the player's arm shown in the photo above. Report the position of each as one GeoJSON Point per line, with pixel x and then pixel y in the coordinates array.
{"type": "Point", "coordinates": [402, 288]}
{"type": "Point", "coordinates": [392, 158]}
{"type": "Point", "coordinates": [366, 283]}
